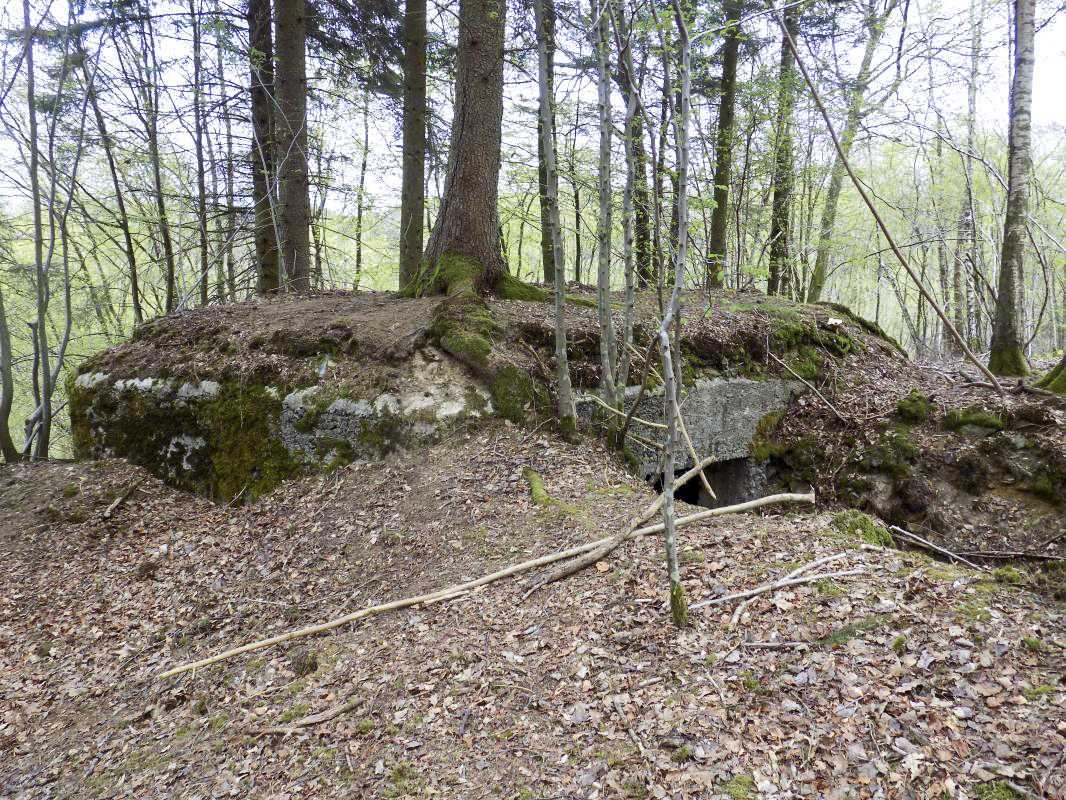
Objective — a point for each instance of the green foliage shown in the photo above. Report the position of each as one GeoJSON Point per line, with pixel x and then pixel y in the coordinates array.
{"type": "Point", "coordinates": [739, 787]}
{"type": "Point", "coordinates": [850, 631]}
{"type": "Point", "coordinates": [998, 790]}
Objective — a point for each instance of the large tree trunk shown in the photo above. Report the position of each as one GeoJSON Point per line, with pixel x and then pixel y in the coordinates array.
{"type": "Point", "coordinates": [261, 63]}
{"type": "Point", "coordinates": [412, 191]}
{"type": "Point", "coordinates": [7, 389]}
{"type": "Point", "coordinates": [783, 165]}
{"type": "Point", "coordinates": [1008, 356]}
{"type": "Point", "coordinates": [290, 91]}
{"type": "Point", "coordinates": [468, 223]}
{"type": "Point", "coordinates": [723, 150]}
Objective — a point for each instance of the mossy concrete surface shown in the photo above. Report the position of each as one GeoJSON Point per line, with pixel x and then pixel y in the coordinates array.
{"type": "Point", "coordinates": [235, 441]}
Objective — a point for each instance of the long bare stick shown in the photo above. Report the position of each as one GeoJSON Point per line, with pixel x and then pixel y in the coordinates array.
{"type": "Point", "coordinates": [873, 209]}
{"type": "Point", "coordinates": [796, 572]}
{"type": "Point", "coordinates": [463, 588]}
{"type": "Point", "coordinates": [914, 538]}
{"type": "Point", "coordinates": [769, 587]}
{"type": "Point", "coordinates": [809, 386]}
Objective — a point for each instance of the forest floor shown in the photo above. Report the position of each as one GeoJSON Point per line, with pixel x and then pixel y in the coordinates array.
{"type": "Point", "coordinates": [914, 678]}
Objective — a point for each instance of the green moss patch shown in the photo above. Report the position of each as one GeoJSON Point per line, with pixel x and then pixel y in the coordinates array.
{"type": "Point", "coordinates": [972, 415]}
{"type": "Point", "coordinates": [914, 408]}
{"type": "Point", "coordinates": [855, 523]}
{"type": "Point", "coordinates": [1055, 380]}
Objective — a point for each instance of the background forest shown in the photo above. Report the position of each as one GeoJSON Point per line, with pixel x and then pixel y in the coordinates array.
{"type": "Point", "coordinates": [137, 178]}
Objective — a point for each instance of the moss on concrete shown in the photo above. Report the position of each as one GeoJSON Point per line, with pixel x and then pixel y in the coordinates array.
{"type": "Point", "coordinates": [247, 457]}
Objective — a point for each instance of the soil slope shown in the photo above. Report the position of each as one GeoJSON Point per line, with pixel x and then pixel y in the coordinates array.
{"type": "Point", "coordinates": [911, 679]}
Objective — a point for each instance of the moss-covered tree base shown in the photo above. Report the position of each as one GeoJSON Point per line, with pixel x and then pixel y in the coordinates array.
{"type": "Point", "coordinates": [465, 328]}
{"type": "Point", "coordinates": [1008, 362]}
{"type": "Point", "coordinates": [1055, 381]}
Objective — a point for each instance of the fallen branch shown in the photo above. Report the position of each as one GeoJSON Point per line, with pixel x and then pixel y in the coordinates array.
{"type": "Point", "coordinates": [595, 548]}
{"type": "Point", "coordinates": [1010, 554]}
{"type": "Point", "coordinates": [632, 530]}
{"type": "Point", "coordinates": [925, 544]}
{"type": "Point", "coordinates": [810, 386]}
{"type": "Point", "coordinates": [614, 410]}
{"type": "Point", "coordinates": [819, 562]}
{"type": "Point", "coordinates": [122, 498]}
{"type": "Point", "coordinates": [313, 719]}
{"type": "Point", "coordinates": [781, 584]}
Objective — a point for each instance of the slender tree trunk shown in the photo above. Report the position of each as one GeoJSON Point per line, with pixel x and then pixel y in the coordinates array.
{"type": "Point", "coordinates": [856, 96]}
{"type": "Point", "coordinates": [783, 166]}
{"type": "Point", "coordinates": [120, 200]}
{"type": "Point", "coordinates": [633, 127]}
{"type": "Point", "coordinates": [723, 150]}
{"type": "Point", "coordinates": [361, 198]}
{"type": "Point", "coordinates": [7, 389]}
{"type": "Point", "coordinates": [290, 92]}
{"type": "Point", "coordinates": [227, 234]}
{"type": "Point", "coordinates": [678, 609]}
{"type": "Point", "coordinates": [42, 386]}
{"type": "Point", "coordinates": [565, 400]}
{"type": "Point", "coordinates": [603, 227]}
{"type": "Point", "coordinates": [546, 41]}
{"type": "Point", "coordinates": [150, 99]}
{"type": "Point", "coordinates": [1008, 356]}
{"type": "Point", "coordinates": [261, 63]}
{"type": "Point", "coordinates": [412, 191]}
{"type": "Point", "coordinates": [198, 141]}
{"type": "Point", "coordinates": [468, 223]}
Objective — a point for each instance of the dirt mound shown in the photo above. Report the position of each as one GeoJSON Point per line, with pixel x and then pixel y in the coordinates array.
{"type": "Point", "coordinates": [909, 679]}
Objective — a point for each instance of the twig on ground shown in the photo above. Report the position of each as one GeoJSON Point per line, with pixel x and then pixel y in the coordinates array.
{"type": "Point", "coordinates": [820, 562]}
{"type": "Point", "coordinates": [914, 538]}
{"type": "Point", "coordinates": [122, 498]}
{"type": "Point", "coordinates": [770, 587]}
{"type": "Point", "coordinates": [1009, 554]}
{"type": "Point", "coordinates": [632, 531]}
{"type": "Point", "coordinates": [313, 719]}
{"type": "Point", "coordinates": [810, 386]}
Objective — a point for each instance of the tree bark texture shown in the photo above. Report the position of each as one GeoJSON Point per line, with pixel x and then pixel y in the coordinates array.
{"type": "Point", "coordinates": [412, 190]}
{"type": "Point", "coordinates": [1007, 356]}
{"type": "Point", "coordinates": [468, 222]}
{"type": "Point", "coordinates": [290, 90]}
{"type": "Point", "coordinates": [261, 85]}
{"type": "Point", "coordinates": [546, 41]}
{"type": "Point", "coordinates": [783, 166]}
{"type": "Point", "coordinates": [723, 149]}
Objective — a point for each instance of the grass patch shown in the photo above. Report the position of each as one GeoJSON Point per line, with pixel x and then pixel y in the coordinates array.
{"type": "Point", "coordinates": [1036, 692]}
{"type": "Point", "coordinates": [914, 408]}
{"type": "Point", "coordinates": [999, 790]}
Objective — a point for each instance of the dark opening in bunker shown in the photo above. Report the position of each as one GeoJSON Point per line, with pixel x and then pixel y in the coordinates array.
{"type": "Point", "coordinates": [735, 480]}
